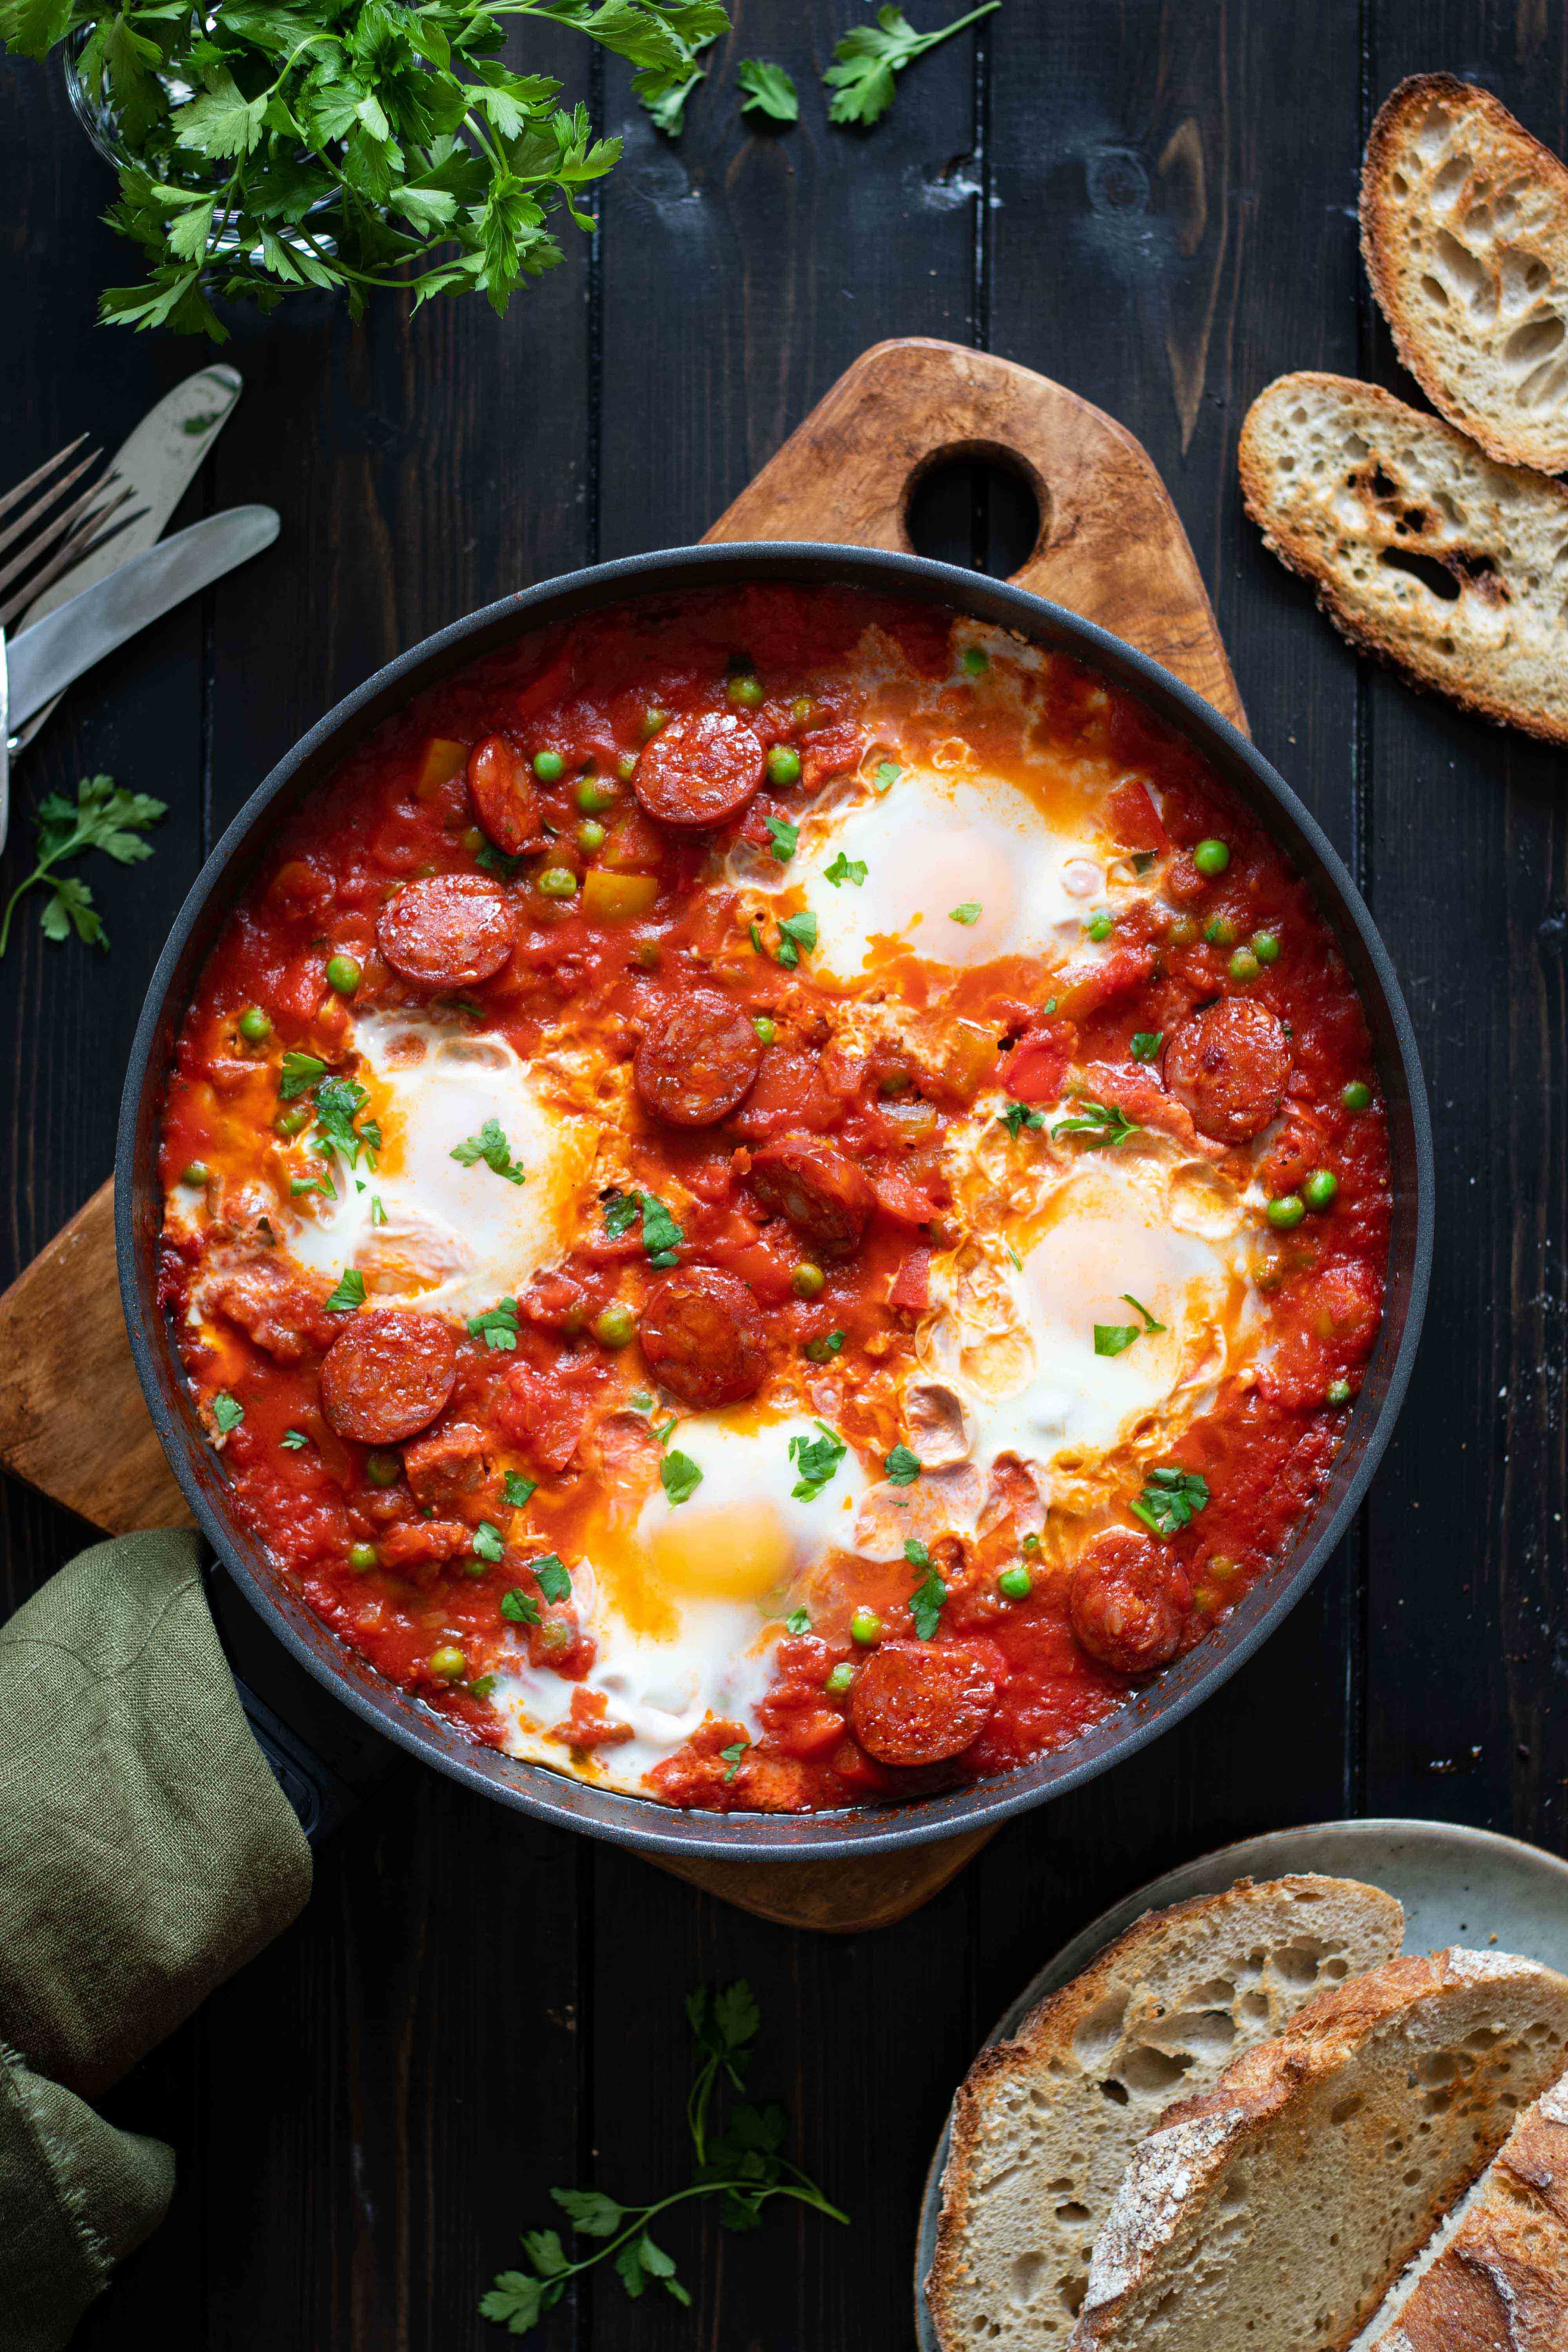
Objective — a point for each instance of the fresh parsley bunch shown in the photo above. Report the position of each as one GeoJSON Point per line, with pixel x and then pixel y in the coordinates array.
{"type": "Point", "coordinates": [276, 146]}
{"type": "Point", "coordinates": [102, 816]}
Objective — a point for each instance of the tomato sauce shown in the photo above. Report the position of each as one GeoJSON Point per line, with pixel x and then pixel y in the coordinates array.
{"type": "Point", "coordinates": [450, 1568]}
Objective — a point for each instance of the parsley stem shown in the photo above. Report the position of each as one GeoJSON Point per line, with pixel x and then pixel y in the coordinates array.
{"type": "Point", "coordinates": [758, 2195]}
{"type": "Point", "coordinates": [946, 32]}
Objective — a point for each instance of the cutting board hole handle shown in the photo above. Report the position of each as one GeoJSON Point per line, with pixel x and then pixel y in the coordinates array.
{"type": "Point", "coordinates": [978, 504]}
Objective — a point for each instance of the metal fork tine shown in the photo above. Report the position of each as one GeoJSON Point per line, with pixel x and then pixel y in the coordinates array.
{"type": "Point", "coordinates": [86, 513]}
{"type": "Point", "coordinates": [9, 497]}
{"type": "Point", "coordinates": [47, 530]}
{"type": "Point", "coordinates": [75, 551]}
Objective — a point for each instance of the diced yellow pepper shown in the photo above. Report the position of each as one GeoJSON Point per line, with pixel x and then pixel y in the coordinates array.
{"type": "Point", "coordinates": [616, 897]}
{"type": "Point", "coordinates": [970, 1060]}
{"type": "Point", "coordinates": [442, 760]}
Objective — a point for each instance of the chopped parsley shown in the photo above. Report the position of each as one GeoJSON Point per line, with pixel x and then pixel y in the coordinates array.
{"type": "Point", "coordinates": [926, 1600]}
{"type": "Point", "coordinates": [755, 931]}
{"type": "Point", "coordinates": [1016, 1115]}
{"type": "Point", "coordinates": [322, 1184]}
{"type": "Point", "coordinates": [497, 1326]}
{"type": "Point", "coordinates": [349, 1293]}
{"type": "Point", "coordinates": [1099, 1124]}
{"type": "Point", "coordinates": [298, 1072]}
{"type": "Point", "coordinates": [553, 1581]}
{"type": "Point", "coordinates": [796, 932]}
{"type": "Point", "coordinates": [767, 89]}
{"type": "Point", "coordinates": [339, 1102]}
{"type": "Point", "coordinates": [516, 1490]}
{"type": "Point", "coordinates": [970, 912]}
{"type": "Point", "coordinates": [490, 1146]}
{"type": "Point", "coordinates": [784, 838]}
{"type": "Point", "coordinates": [521, 1608]}
{"type": "Point", "coordinates": [227, 1411]}
{"type": "Point", "coordinates": [483, 1686]}
{"type": "Point", "coordinates": [902, 1468]}
{"type": "Point", "coordinates": [916, 1553]}
{"type": "Point", "coordinates": [293, 1441]}
{"type": "Point", "coordinates": [641, 1401]}
{"type": "Point", "coordinates": [1113, 1339]}
{"type": "Point", "coordinates": [817, 1460]}
{"type": "Point", "coordinates": [661, 1236]}
{"type": "Point", "coordinates": [1171, 1500]}
{"type": "Point", "coordinates": [734, 1757]}
{"type": "Point", "coordinates": [798, 1622]}
{"type": "Point", "coordinates": [976, 659]}
{"type": "Point", "coordinates": [621, 1213]}
{"type": "Point", "coordinates": [487, 1541]}
{"type": "Point", "coordinates": [823, 1349]}
{"type": "Point", "coordinates": [679, 1477]}
{"type": "Point", "coordinates": [887, 775]}
{"type": "Point", "coordinates": [378, 1213]}
{"type": "Point", "coordinates": [495, 861]}
{"type": "Point", "coordinates": [1146, 1044]}
{"type": "Point", "coordinates": [846, 869]}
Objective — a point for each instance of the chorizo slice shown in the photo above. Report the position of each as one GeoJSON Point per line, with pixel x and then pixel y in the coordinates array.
{"type": "Point", "coordinates": [818, 1188]}
{"type": "Point", "coordinates": [445, 1466]}
{"type": "Point", "coordinates": [448, 930]}
{"type": "Point", "coordinates": [387, 1375]}
{"type": "Point", "coordinates": [697, 1059]}
{"type": "Point", "coordinates": [703, 1336]}
{"type": "Point", "coordinates": [1126, 1602]}
{"type": "Point", "coordinates": [1228, 1064]}
{"type": "Point", "coordinates": [918, 1703]}
{"type": "Point", "coordinates": [500, 785]}
{"type": "Point", "coordinates": [699, 769]}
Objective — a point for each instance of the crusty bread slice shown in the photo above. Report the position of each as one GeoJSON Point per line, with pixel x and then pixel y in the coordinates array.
{"type": "Point", "coordinates": [1499, 2281]}
{"type": "Point", "coordinates": [1464, 226]}
{"type": "Point", "coordinates": [1291, 2195]}
{"type": "Point", "coordinates": [1045, 2123]}
{"type": "Point", "coordinates": [1420, 549]}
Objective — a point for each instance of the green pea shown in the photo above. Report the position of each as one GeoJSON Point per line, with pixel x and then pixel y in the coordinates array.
{"type": "Point", "coordinates": [1099, 927]}
{"type": "Point", "coordinates": [975, 660]}
{"type": "Point", "coordinates": [1266, 947]}
{"type": "Point", "coordinates": [198, 1176]}
{"type": "Point", "coordinates": [254, 1025]}
{"type": "Point", "coordinates": [1243, 966]}
{"type": "Point", "coordinates": [1337, 1393]}
{"type": "Point", "coordinates": [841, 1677]}
{"type": "Point", "coordinates": [1320, 1189]}
{"type": "Point", "coordinates": [1211, 857]}
{"type": "Point", "coordinates": [1030, 1543]}
{"type": "Point", "coordinates": [745, 690]}
{"type": "Point", "coordinates": [1014, 1584]}
{"type": "Point", "coordinates": [1183, 932]}
{"type": "Point", "coordinates": [449, 1662]}
{"type": "Point", "coordinates": [766, 1029]}
{"type": "Point", "coordinates": [383, 1469]}
{"type": "Point", "coordinates": [1287, 1211]}
{"type": "Point", "coordinates": [590, 835]}
{"type": "Point", "coordinates": [292, 1122]}
{"type": "Point", "coordinates": [615, 1326]}
{"type": "Point", "coordinates": [343, 973]}
{"type": "Point", "coordinates": [594, 795]}
{"type": "Point", "coordinates": [556, 882]}
{"type": "Point", "coordinates": [808, 1281]}
{"type": "Point", "coordinates": [821, 1350]}
{"type": "Point", "coordinates": [549, 767]}
{"type": "Point", "coordinates": [800, 709]}
{"type": "Point", "coordinates": [363, 1556]}
{"type": "Point", "coordinates": [866, 1628]}
{"type": "Point", "coordinates": [893, 1082]}
{"type": "Point", "coordinates": [626, 766]}
{"type": "Point", "coordinates": [1357, 1095]}
{"type": "Point", "coordinates": [1220, 933]}
{"type": "Point", "coordinates": [783, 765]}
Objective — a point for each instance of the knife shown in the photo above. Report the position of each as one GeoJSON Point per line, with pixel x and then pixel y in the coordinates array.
{"type": "Point", "coordinates": [156, 463]}
{"type": "Point", "coordinates": [69, 640]}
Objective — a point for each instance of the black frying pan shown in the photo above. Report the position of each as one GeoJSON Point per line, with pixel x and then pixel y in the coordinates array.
{"type": "Point", "coordinates": [533, 1787]}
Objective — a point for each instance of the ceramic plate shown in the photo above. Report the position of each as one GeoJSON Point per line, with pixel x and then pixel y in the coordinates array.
{"type": "Point", "coordinates": [1457, 1885]}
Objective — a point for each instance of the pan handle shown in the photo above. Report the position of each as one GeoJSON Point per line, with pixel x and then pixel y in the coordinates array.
{"type": "Point", "coordinates": [1111, 547]}
{"type": "Point", "coordinates": [320, 1800]}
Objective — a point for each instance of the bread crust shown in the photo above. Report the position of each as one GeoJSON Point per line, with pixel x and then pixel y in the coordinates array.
{"type": "Point", "coordinates": [1510, 159]}
{"type": "Point", "coordinates": [1404, 624]}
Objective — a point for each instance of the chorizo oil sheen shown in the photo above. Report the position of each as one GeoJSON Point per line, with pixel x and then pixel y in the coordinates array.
{"type": "Point", "coordinates": [807, 1215]}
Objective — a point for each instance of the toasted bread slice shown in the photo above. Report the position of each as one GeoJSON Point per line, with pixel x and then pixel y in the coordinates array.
{"type": "Point", "coordinates": [1045, 2123]}
{"type": "Point", "coordinates": [1420, 549]}
{"type": "Point", "coordinates": [1464, 226]}
{"type": "Point", "coordinates": [1296, 2191]}
{"type": "Point", "coordinates": [1497, 2281]}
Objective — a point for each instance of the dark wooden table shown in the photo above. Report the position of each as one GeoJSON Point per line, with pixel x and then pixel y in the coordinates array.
{"type": "Point", "coordinates": [1155, 204]}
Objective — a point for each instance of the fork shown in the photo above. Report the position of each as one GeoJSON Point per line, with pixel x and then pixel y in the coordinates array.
{"type": "Point", "coordinates": [60, 538]}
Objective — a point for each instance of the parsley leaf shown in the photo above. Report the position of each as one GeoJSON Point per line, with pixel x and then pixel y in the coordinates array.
{"type": "Point", "coordinates": [867, 58]}
{"type": "Point", "coordinates": [1099, 1125]}
{"type": "Point", "coordinates": [339, 1102]}
{"type": "Point", "coordinates": [915, 1552]}
{"type": "Point", "coordinates": [887, 775]}
{"type": "Point", "coordinates": [1113, 1338]}
{"type": "Point", "coordinates": [293, 1441]}
{"type": "Point", "coordinates": [817, 1460]}
{"type": "Point", "coordinates": [487, 1541]}
{"type": "Point", "coordinates": [103, 816]}
{"type": "Point", "coordinates": [661, 1236]}
{"type": "Point", "coordinates": [1146, 1044]}
{"type": "Point", "coordinates": [768, 89]}
{"type": "Point", "coordinates": [227, 1411]}
{"type": "Point", "coordinates": [516, 1490]}
{"type": "Point", "coordinates": [926, 1603]}
{"type": "Point", "coordinates": [823, 1349]}
{"type": "Point", "coordinates": [621, 1212]}
{"type": "Point", "coordinates": [785, 838]}
{"type": "Point", "coordinates": [795, 932]}
{"type": "Point", "coordinates": [490, 1146]}
{"type": "Point", "coordinates": [679, 1477]}
{"type": "Point", "coordinates": [1149, 1322]}
{"type": "Point", "coordinates": [798, 1622]}
{"type": "Point", "coordinates": [1017, 1116]}
{"type": "Point", "coordinates": [497, 1326]}
{"type": "Point", "coordinates": [968, 914]}
{"type": "Point", "coordinates": [553, 1580]}
{"type": "Point", "coordinates": [521, 1608]}
{"type": "Point", "coordinates": [846, 869]}
{"type": "Point", "coordinates": [298, 1072]}
{"type": "Point", "coordinates": [349, 1293]}
{"type": "Point", "coordinates": [1171, 1500]}
{"type": "Point", "coordinates": [902, 1468]}
{"type": "Point", "coordinates": [734, 1757]}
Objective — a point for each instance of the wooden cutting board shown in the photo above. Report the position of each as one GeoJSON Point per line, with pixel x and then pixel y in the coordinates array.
{"type": "Point", "coordinates": [1110, 548]}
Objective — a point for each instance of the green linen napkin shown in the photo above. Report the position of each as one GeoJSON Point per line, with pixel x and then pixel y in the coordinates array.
{"type": "Point", "coordinates": [146, 1853]}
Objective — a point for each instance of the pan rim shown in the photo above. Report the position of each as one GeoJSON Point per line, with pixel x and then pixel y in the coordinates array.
{"type": "Point", "coordinates": [642, 1822]}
